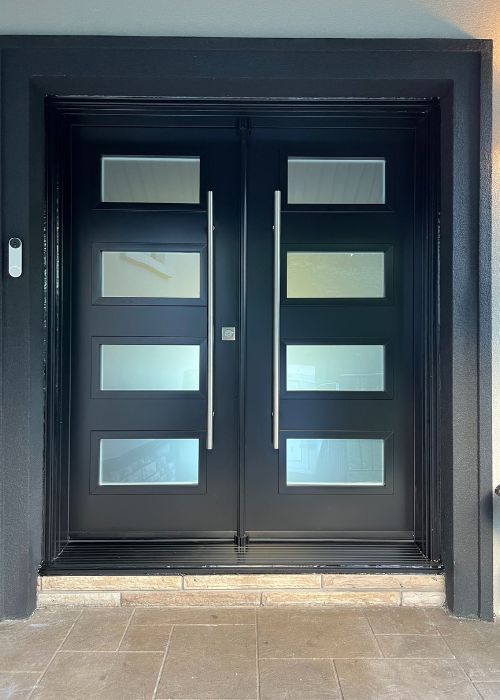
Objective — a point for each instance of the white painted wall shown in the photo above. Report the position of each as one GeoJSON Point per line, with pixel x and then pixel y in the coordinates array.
{"type": "Point", "coordinates": [292, 18]}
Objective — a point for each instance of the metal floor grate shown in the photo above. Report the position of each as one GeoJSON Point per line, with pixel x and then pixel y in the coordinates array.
{"type": "Point", "coordinates": [258, 557]}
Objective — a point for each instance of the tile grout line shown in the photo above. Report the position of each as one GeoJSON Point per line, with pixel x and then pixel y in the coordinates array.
{"type": "Point", "coordinates": [374, 636]}
{"type": "Point", "coordinates": [467, 675]}
{"type": "Point", "coordinates": [337, 678]}
{"type": "Point", "coordinates": [352, 658]}
{"type": "Point", "coordinates": [345, 658]}
{"type": "Point", "coordinates": [126, 628]}
{"type": "Point", "coordinates": [476, 689]}
{"type": "Point", "coordinates": [443, 638]}
{"type": "Point", "coordinates": [197, 624]}
{"type": "Point", "coordinates": [407, 634]}
{"type": "Point", "coordinates": [110, 651]}
{"type": "Point", "coordinates": [42, 674]}
{"type": "Point", "coordinates": [162, 665]}
{"type": "Point", "coordinates": [13, 673]}
{"type": "Point", "coordinates": [483, 681]}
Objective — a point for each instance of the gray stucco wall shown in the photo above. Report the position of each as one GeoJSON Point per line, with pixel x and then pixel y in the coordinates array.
{"type": "Point", "coordinates": [295, 18]}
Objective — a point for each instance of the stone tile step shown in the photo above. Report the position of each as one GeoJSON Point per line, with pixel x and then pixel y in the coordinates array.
{"type": "Point", "coordinates": [397, 582]}
{"type": "Point", "coordinates": [242, 598]}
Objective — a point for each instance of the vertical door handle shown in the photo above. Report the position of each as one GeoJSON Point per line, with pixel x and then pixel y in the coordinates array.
{"type": "Point", "coordinates": [276, 320]}
{"type": "Point", "coordinates": [210, 321]}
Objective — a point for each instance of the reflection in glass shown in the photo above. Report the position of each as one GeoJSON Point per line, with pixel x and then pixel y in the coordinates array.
{"type": "Point", "coordinates": [150, 180]}
{"type": "Point", "coordinates": [335, 275]}
{"type": "Point", "coordinates": [150, 367]}
{"type": "Point", "coordinates": [336, 181]}
{"type": "Point", "coordinates": [335, 368]}
{"type": "Point", "coordinates": [334, 462]}
{"type": "Point", "coordinates": [134, 462]}
{"type": "Point", "coordinates": [141, 274]}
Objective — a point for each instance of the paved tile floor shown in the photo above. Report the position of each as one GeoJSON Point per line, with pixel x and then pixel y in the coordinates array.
{"type": "Point", "coordinates": [272, 654]}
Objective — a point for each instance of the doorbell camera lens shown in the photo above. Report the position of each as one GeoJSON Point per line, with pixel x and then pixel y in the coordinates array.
{"type": "Point", "coordinates": [15, 243]}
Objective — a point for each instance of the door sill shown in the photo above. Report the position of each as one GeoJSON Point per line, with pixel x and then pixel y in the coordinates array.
{"type": "Point", "coordinates": [143, 556]}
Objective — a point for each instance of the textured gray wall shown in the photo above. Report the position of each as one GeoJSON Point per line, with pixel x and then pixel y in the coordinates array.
{"type": "Point", "coordinates": [285, 18]}
{"type": "Point", "coordinates": [293, 18]}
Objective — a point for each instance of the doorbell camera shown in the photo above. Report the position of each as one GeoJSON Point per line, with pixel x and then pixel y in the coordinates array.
{"type": "Point", "coordinates": [15, 257]}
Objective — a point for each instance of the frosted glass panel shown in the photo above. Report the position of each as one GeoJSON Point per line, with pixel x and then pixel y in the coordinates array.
{"type": "Point", "coordinates": [128, 462]}
{"type": "Point", "coordinates": [150, 180]}
{"type": "Point", "coordinates": [335, 275]}
{"type": "Point", "coordinates": [336, 181]}
{"type": "Point", "coordinates": [141, 274]}
{"type": "Point", "coordinates": [150, 367]}
{"type": "Point", "coordinates": [334, 462]}
{"type": "Point", "coordinates": [335, 368]}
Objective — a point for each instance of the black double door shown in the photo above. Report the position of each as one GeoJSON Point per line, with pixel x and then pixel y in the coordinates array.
{"type": "Point", "coordinates": [295, 417]}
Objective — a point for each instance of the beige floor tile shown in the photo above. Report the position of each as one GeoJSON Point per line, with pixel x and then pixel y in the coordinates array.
{"type": "Point", "coordinates": [194, 616]}
{"type": "Point", "coordinates": [146, 638]}
{"type": "Point", "coordinates": [17, 686]}
{"type": "Point", "coordinates": [447, 623]}
{"type": "Point", "coordinates": [298, 679]}
{"type": "Point", "coordinates": [98, 630]}
{"type": "Point", "coordinates": [488, 691]}
{"type": "Point", "coordinates": [52, 615]}
{"type": "Point", "coordinates": [314, 633]}
{"type": "Point", "coordinates": [400, 679]}
{"type": "Point", "coordinates": [476, 646]}
{"type": "Point", "coordinates": [28, 645]}
{"type": "Point", "coordinates": [99, 676]}
{"type": "Point", "coordinates": [413, 646]}
{"type": "Point", "coordinates": [400, 621]}
{"type": "Point", "coordinates": [210, 662]}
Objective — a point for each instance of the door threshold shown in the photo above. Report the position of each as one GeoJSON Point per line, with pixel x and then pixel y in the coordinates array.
{"type": "Point", "coordinates": [143, 556]}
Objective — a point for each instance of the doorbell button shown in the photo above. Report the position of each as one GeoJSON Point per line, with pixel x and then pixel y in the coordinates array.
{"type": "Point", "coordinates": [15, 257]}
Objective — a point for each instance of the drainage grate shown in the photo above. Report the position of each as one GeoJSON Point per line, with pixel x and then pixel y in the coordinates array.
{"type": "Point", "coordinates": [257, 557]}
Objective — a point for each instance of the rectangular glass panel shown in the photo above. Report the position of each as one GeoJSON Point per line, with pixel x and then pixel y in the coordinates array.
{"type": "Point", "coordinates": [159, 274]}
{"type": "Point", "coordinates": [336, 181]}
{"type": "Point", "coordinates": [150, 367]}
{"type": "Point", "coordinates": [335, 275]}
{"type": "Point", "coordinates": [334, 462]}
{"type": "Point", "coordinates": [335, 368]}
{"type": "Point", "coordinates": [154, 180]}
{"type": "Point", "coordinates": [128, 462]}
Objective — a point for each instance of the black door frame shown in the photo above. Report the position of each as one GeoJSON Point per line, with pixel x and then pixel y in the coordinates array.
{"type": "Point", "coordinates": [421, 117]}
{"type": "Point", "coordinates": [457, 73]}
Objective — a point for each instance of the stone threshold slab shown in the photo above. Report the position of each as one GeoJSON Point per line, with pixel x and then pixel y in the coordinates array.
{"type": "Point", "coordinates": [244, 590]}
{"type": "Point", "coordinates": [396, 582]}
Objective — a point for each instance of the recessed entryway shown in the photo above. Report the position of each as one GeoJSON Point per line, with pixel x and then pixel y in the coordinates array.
{"type": "Point", "coordinates": [440, 90]}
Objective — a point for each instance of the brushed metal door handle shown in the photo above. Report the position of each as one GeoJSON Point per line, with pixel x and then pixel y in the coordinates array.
{"type": "Point", "coordinates": [276, 320]}
{"type": "Point", "coordinates": [210, 321]}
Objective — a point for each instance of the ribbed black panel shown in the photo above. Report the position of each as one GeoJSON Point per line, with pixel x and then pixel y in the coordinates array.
{"type": "Point", "coordinates": [184, 557]}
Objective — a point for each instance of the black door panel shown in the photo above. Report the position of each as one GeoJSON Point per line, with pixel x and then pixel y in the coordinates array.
{"type": "Point", "coordinates": [345, 465]}
{"type": "Point", "coordinates": [349, 420]}
{"type": "Point", "coordinates": [142, 507]}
